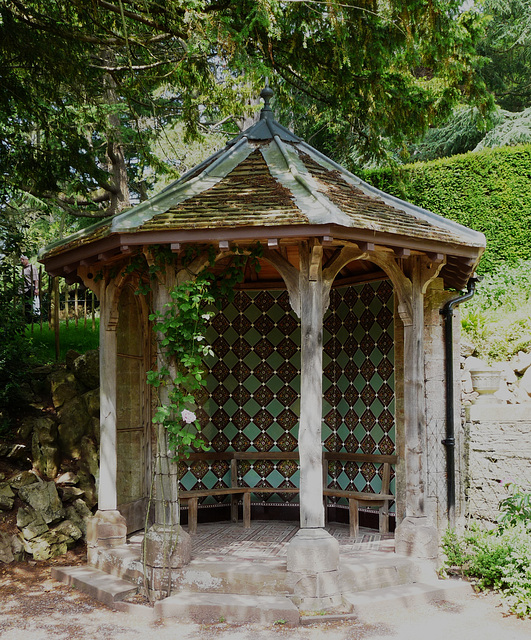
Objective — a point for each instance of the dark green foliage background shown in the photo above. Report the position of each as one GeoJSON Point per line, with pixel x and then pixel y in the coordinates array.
{"type": "Point", "coordinates": [489, 191]}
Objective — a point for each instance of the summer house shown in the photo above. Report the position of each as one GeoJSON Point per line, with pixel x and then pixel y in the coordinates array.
{"type": "Point", "coordinates": [328, 365]}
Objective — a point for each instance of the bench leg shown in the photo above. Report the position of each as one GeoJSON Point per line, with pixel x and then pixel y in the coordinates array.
{"type": "Point", "coordinates": [192, 515]}
{"type": "Point", "coordinates": [384, 517]}
{"type": "Point", "coordinates": [234, 508]}
{"type": "Point", "coordinates": [247, 510]}
{"type": "Point", "coordinates": [353, 517]}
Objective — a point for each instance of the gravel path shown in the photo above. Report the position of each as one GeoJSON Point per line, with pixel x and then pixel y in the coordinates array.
{"type": "Point", "coordinates": [32, 605]}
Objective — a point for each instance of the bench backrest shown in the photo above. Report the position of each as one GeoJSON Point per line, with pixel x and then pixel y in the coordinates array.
{"type": "Point", "coordinates": [328, 456]}
{"type": "Point", "coordinates": [343, 456]}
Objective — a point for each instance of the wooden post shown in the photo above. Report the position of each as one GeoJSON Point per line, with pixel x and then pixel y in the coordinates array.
{"type": "Point", "coordinates": [310, 448]}
{"type": "Point", "coordinates": [56, 316]}
{"type": "Point", "coordinates": [67, 311]}
{"type": "Point", "coordinates": [40, 297]}
{"type": "Point", "coordinates": [76, 305]}
{"type": "Point", "coordinates": [107, 497]}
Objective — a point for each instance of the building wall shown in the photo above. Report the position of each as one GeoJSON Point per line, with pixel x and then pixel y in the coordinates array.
{"type": "Point", "coordinates": [498, 451]}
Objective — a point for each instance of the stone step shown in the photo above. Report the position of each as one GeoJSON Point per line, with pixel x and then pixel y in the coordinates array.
{"type": "Point", "coordinates": [123, 562]}
{"type": "Point", "coordinates": [378, 572]}
{"type": "Point", "coordinates": [227, 607]}
{"type": "Point", "coordinates": [95, 583]}
{"type": "Point", "coordinates": [405, 595]}
{"type": "Point", "coordinates": [236, 577]}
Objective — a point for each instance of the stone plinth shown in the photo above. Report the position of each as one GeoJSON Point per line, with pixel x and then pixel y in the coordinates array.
{"type": "Point", "coordinates": [313, 567]}
{"type": "Point", "coordinates": [105, 530]}
{"type": "Point", "coordinates": [165, 549]}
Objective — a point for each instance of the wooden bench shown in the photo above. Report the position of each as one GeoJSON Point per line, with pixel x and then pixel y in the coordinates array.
{"type": "Point", "coordinates": [234, 491]}
{"type": "Point", "coordinates": [357, 499]}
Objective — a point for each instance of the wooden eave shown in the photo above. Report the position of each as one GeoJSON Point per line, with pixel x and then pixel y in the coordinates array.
{"type": "Point", "coordinates": [461, 259]}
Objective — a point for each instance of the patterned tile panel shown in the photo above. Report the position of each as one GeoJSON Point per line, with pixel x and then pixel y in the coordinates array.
{"type": "Point", "coordinates": [254, 388]}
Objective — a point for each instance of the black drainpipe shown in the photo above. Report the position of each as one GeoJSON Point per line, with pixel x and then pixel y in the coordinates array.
{"type": "Point", "coordinates": [449, 442]}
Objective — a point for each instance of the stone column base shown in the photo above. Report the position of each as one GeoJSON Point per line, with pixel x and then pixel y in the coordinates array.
{"type": "Point", "coordinates": [417, 538]}
{"type": "Point", "coordinates": [107, 529]}
{"type": "Point", "coordinates": [313, 565]}
{"type": "Point", "coordinates": [165, 549]}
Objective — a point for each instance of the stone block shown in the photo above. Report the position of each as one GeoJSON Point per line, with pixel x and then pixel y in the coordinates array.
{"type": "Point", "coordinates": [416, 538]}
{"type": "Point", "coordinates": [6, 551]}
{"type": "Point", "coordinates": [7, 497]}
{"type": "Point", "coordinates": [167, 547]}
{"type": "Point", "coordinates": [31, 523]}
{"type": "Point", "coordinates": [106, 529]}
{"type": "Point", "coordinates": [312, 551]}
{"type": "Point", "coordinates": [43, 497]}
{"type": "Point", "coordinates": [64, 387]}
{"type": "Point", "coordinates": [87, 369]}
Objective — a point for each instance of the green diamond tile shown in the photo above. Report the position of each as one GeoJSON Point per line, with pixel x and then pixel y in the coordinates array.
{"type": "Point", "coordinates": [275, 360]}
{"type": "Point", "coordinates": [275, 478]}
{"type": "Point", "coordinates": [252, 360]}
{"type": "Point", "coordinates": [252, 407]}
{"type": "Point", "coordinates": [230, 335]}
{"type": "Point", "coordinates": [343, 383]}
{"type": "Point", "coordinates": [253, 336]}
{"type": "Point", "coordinates": [343, 432]}
{"type": "Point", "coordinates": [377, 407]}
{"type": "Point", "coordinates": [231, 359]}
{"type": "Point", "coordinates": [230, 312]}
{"type": "Point", "coordinates": [342, 359]}
{"type": "Point", "coordinates": [276, 313]}
{"type": "Point", "coordinates": [252, 384]}
{"type": "Point", "coordinates": [377, 433]}
{"type": "Point", "coordinates": [230, 383]}
{"type": "Point", "coordinates": [188, 480]}
{"type": "Point", "coordinates": [252, 431]}
{"type": "Point", "coordinates": [275, 384]}
{"type": "Point", "coordinates": [252, 313]}
{"type": "Point", "coordinates": [251, 478]}
{"type": "Point", "coordinates": [276, 336]}
{"type": "Point", "coordinates": [275, 407]}
{"type": "Point", "coordinates": [210, 479]}
{"type": "Point", "coordinates": [230, 406]}
{"type": "Point", "coordinates": [275, 431]}
{"type": "Point", "coordinates": [230, 431]}
{"type": "Point", "coordinates": [326, 431]}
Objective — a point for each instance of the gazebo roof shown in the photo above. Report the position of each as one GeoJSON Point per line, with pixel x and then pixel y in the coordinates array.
{"type": "Point", "coordinates": [268, 183]}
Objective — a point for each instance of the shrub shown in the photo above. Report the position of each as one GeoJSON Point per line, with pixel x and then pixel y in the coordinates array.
{"type": "Point", "coordinates": [14, 360]}
{"type": "Point", "coordinates": [487, 191]}
{"type": "Point", "coordinates": [500, 558]}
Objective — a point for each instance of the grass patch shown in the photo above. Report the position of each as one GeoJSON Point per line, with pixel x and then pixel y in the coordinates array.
{"type": "Point", "coordinates": [79, 338]}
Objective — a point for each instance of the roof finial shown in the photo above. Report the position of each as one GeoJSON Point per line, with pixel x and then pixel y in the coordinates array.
{"type": "Point", "coordinates": [266, 94]}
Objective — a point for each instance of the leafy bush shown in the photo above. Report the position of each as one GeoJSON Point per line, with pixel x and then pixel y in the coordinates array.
{"type": "Point", "coordinates": [14, 360]}
{"type": "Point", "coordinates": [516, 507]}
{"type": "Point", "coordinates": [498, 559]}
{"type": "Point", "coordinates": [497, 320]}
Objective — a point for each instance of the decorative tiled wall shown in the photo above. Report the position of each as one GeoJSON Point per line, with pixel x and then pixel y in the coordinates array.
{"type": "Point", "coordinates": [253, 388]}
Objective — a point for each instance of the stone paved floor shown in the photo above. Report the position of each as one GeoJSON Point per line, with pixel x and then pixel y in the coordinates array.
{"type": "Point", "coordinates": [269, 539]}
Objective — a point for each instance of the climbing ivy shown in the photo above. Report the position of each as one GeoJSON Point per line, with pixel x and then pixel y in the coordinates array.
{"type": "Point", "coordinates": [182, 327]}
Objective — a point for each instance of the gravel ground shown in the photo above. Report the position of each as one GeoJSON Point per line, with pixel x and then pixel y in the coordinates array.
{"type": "Point", "coordinates": [32, 605]}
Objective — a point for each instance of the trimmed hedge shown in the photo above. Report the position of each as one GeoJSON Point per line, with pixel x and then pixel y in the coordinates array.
{"type": "Point", "coordinates": [489, 191]}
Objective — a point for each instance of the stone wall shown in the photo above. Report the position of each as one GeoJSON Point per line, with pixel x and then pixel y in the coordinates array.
{"type": "Point", "coordinates": [49, 470]}
{"type": "Point", "coordinates": [498, 450]}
